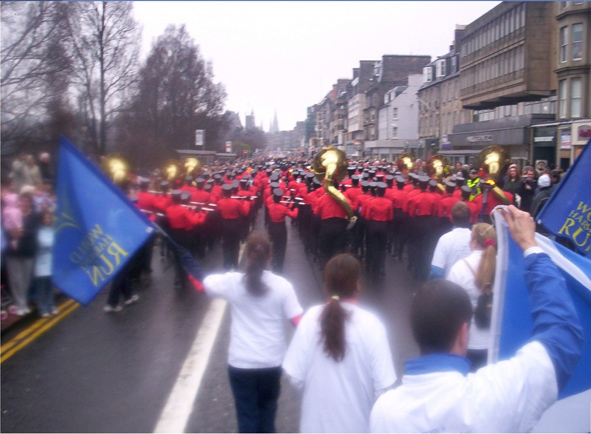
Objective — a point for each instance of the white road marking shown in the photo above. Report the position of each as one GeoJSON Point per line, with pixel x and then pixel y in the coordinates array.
{"type": "Point", "coordinates": [180, 403]}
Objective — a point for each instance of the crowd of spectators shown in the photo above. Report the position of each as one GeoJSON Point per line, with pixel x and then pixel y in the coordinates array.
{"type": "Point", "coordinates": [28, 205]}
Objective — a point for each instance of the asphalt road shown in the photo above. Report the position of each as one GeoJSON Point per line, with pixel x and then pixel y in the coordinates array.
{"type": "Point", "coordinates": [98, 372]}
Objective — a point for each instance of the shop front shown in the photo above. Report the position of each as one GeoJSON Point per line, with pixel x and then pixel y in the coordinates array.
{"type": "Point", "coordinates": [544, 147]}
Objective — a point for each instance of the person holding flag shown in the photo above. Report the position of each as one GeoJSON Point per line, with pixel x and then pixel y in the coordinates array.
{"type": "Point", "coordinates": [437, 392]}
{"type": "Point", "coordinates": [261, 302]}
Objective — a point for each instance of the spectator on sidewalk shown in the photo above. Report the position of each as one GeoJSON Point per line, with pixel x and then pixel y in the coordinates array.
{"type": "Point", "coordinates": [44, 288]}
{"type": "Point", "coordinates": [21, 252]}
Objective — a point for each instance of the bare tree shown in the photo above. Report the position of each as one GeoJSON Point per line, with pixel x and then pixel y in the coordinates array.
{"type": "Point", "coordinates": [105, 45]}
{"type": "Point", "coordinates": [176, 96]}
{"type": "Point", "coordinates": [35, 65]}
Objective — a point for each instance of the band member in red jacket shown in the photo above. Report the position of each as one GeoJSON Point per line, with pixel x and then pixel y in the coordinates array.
{"type": "Point", "coordinates": [276, 228]}
{"type": "Point", "coordinates": [379, 215]}
{"type": "Point", "coordinates": [230, 210]}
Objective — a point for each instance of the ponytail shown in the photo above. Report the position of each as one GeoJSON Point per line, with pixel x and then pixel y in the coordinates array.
{"type": "Point", "coordinates": [485, 237]}
{"type": "Point", "coordinates": [257, 252]}
{"type": "Point", "coordinates": [341, 277]}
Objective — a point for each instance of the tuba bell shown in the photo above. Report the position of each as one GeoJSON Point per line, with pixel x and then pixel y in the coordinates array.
{"type": "Point", "coordinates": [408, 160]}
{"type": "Point", "coordinates": [439, 168]}
{"type": "Point", "coordinates": [494, 161]}
{"type": "Point", "coordinates": [193, 166]}
{"type": "Point", "coordinates": [116, 167]}
{"type": "Point", "coordinates": [170, 170]}
{"type": "Point", "coordinates": [330, 165]}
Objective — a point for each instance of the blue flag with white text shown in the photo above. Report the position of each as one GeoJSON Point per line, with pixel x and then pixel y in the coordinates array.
{"type": "Point", "coordinates": [97, 228]}
{"type": "Point", "coordinates": [512, 324]}
{"type": "Point", "coordinates": [567, 213]}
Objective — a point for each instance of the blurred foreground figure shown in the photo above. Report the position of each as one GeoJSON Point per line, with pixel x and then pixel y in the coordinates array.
{"type": "Point", "coordinates": [437, 392]}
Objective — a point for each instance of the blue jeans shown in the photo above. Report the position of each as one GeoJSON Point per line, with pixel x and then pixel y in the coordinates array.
{"type": "Point", "coordinates": [256, 392]}
{"type": "Point", "coordinates": [45, 297]}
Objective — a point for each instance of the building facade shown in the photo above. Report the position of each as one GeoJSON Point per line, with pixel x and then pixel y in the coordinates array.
{"type": "Point", "coordinates": [507, 57]}
{"type": "Point", "coordinates": [398, 121]}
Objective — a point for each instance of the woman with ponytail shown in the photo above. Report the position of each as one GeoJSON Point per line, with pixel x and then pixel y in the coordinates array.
{"type": "Point", "coordinates": [340, 356]}
{"type": "Point", "coordinates": [260, 303]}
{"type": "Point", "coordinates": [476, 274]}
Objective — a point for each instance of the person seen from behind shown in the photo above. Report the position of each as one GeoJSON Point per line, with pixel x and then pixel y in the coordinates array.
{"type": "Point", "coordinates": [476, 274]}
{"type": "Point", "coordinates": [439, 394]}
{"type": "Point", "coordinates": [340, 356]}
{"type": "Point", "coordinates": [260, 303]}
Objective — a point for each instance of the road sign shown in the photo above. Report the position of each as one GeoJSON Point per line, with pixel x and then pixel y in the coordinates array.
{"type": "Point", "coordinates": [199, 137]}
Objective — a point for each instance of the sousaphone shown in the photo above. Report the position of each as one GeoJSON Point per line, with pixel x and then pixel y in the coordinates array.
{"type": "Point", "coordinates": [330, 165]}
{"type": "Point", "coordinates": [171, 170]}
{"type": "Point", "coordinates": [408, 160]}
{"type": "Point", "coordinates": [494, 161]}
{"type": "Point", "coordinates": [116, 166]}
{"type": "Point", "coordinates": [439, 167]}
{"type": "Point", "coordinates": [193, 166]}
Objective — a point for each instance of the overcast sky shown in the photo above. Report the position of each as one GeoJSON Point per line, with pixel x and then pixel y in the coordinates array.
{"type": "Point", "coordinates": [284, 56]}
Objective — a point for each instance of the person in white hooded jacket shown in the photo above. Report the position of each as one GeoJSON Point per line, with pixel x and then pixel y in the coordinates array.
{"type": "Point", "coordinates": [437, 392]}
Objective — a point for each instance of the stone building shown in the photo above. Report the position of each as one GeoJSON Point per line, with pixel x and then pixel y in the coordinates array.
{"type": "Point", "coordinates": [440, 107]}
{"type": "Point", "coordinates": [391, 71]}
{"type": "Point", "coordinates": [507, 59]}
{"type": "Point", "coordinates": [398, 121]}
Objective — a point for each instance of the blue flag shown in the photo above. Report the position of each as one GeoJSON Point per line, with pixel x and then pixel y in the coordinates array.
{"type": "Point", "coordinates": [97, 228]}
{"type": "Point", "coordinates": [567, 213]}
{"type": "Point", "coordinates": [512, 325]}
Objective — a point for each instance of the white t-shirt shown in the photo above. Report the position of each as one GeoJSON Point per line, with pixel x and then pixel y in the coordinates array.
{"type": "Point", "coordinates": [338, 396]}
{"type": "Point", "coordinates": [452, 247]}
{"type": "Point", "coordinates": [257, 338]}
{"type": "Point", "coordinates": [461, 274]}
{"type": "Point", "coordinates": [508, 396]}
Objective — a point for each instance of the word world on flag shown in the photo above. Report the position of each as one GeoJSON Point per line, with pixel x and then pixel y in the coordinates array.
{"type": "Point", "coordinates": [567, 213]}
{"type": "Point", "coordinates": [98, 229]}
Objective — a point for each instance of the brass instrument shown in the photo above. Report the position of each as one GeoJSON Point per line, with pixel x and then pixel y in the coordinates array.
{"type": "Point", "coordinates": [494, 160]}
{"type": "Point", "coordinates": [408, 159]}
{"type": "Point", "coordinates": [330, 165]}
{"type": "Point", "coordinates": [170, 170]}
{"type": "Point", "coordinates": [193, 166]}
{"type": "Point", "coordinates": [117, 167]}
{"type": "Point", "coordinates": [439, 168]}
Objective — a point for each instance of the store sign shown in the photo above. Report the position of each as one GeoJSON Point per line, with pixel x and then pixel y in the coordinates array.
{"type": "Point", "coordinates": [476, 139]}
{"type": "Point", "coordinates": [565, 139]}
{"type": "Point", "coordinates": [228, 147]}
{"type": "Point", "coordinates": [543, 139]}
{"type": "Point", "coordinates": [584, 133]}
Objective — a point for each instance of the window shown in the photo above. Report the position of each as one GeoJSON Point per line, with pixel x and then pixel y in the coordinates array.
{"type": "Point", "coordinates": [441, 68]}
{"type": "Point", "coordinates": [428, 74]}
{"type": "Point", "coordinates": [454, 64]}
{"type": "Point", "coordinates": [563, 43]}
{"type": "Point", "coordinates": [577, 41]}
{"type": "Point", "coordinates": [562, 96]}
{"type": "Point", "coordinates": [575, 97]}
{"type": "Point", "coordinates": [394, 132]}
{"type": "Point", "coordinates": [395, 113]}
